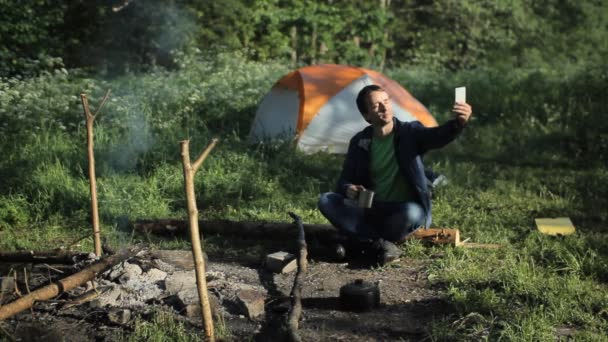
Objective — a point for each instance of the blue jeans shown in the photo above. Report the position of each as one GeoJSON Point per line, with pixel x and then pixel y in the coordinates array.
{"type": "Point", "coordinates": [391, 221]}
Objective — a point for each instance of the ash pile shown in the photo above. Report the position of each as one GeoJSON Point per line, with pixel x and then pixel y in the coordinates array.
{"type": "Point", "coordinates": [110, 305]}
{"type": "Point", "coordinates": [167, 278]}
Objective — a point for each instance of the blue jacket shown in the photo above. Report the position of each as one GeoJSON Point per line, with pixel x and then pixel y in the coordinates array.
{"type": "Point", "coordinates": [411, 141]}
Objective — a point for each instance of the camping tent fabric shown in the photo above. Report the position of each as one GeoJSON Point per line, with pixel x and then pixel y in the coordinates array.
{"type": "Point", "coordinates": [316, 106]}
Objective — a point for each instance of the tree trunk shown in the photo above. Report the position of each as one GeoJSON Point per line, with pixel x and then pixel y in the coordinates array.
{"type": "Point", "coordinates": [313, 45]}
{"type": "Point", "coordinates": [385, 5]}
{"type": "Point", "coordinates": [383, 53]}
{"type": "Point", "coordinates": [294, 46]}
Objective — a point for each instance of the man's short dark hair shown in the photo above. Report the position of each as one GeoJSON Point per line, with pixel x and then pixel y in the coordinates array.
{"type": "Point", "coordinates": [363, 96]}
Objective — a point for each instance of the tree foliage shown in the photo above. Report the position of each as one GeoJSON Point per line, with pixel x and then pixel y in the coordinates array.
{"type": "Point", "coordinates": [122, 35]}
{"type": "Point", "coordinates": [29, 35]}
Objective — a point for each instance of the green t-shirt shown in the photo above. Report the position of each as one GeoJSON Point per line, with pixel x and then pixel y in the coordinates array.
{"type": "Point", "coordinates": [389, 183]}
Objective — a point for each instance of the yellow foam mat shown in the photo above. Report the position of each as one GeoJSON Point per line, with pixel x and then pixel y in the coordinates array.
{"type": "Point", "coordinates": [555, 226]}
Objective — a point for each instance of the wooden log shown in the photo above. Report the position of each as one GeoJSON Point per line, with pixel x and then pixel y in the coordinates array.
{"type": "Point", "coordinates": [265, 230]}
{"type": "Point", "coordinates": [49, 257]}
{"type": "Point", "coordinates": [295, 311]}
{"type": "Point", "coordinates": [279, 230]}
{"type": "Point", "coordinates": [437, 236]}
{"type": "Point", "coordinates": [65, 284]}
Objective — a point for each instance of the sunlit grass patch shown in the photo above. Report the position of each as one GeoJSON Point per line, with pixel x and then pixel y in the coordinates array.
{"type": "Point", "coordinates": [162, 327]}
{"type": "Point", "coordinates": [519, 288]}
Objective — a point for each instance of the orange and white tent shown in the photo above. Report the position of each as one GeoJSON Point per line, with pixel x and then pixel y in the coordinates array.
{"type": "Point", "coordinates": [316, 106]}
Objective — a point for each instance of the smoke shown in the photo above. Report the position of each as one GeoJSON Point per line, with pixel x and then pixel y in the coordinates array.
{"type": "Point", "coordinates": [133, 35]}
{"type": "Point", "coordinates": [159, 28]}
{"type": "Point", "coordinates": [137, 141]}
{"type": "Point", "coordinates": [177, 31]}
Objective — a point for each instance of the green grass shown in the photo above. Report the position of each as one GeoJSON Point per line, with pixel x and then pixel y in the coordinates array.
{"type": "Point", "coordinates": [535, 284]}
{"type": "Point", "coordinates": [537, 148]}
{"type": "Point", "coordinates": [162, 327]}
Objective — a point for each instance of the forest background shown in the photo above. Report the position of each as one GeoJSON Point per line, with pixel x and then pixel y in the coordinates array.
{"type": "Point", "coordinates": [536, 75]}
{"type": "Point", "coordinates": [456, 35]}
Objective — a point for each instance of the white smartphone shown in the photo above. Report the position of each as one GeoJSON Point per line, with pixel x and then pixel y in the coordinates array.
{"type": "Point", "coordinates": [461, 94]}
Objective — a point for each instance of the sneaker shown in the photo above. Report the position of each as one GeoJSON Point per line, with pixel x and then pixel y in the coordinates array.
{"type": "Point", "coordinates": [386, 251]}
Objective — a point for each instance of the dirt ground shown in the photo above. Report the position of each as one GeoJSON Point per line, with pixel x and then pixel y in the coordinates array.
{"type": "Point", "coordinates": [408, 304]}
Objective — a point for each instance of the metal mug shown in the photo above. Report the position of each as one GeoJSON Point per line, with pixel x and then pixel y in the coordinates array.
{"type": "Point", "coordinates": [365, 199]}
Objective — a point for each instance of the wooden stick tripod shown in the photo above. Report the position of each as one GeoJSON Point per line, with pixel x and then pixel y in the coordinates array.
{"type": "Point", "coordinates": [92, 181]}
{"type": "Point", "coordinates": [199, 262]}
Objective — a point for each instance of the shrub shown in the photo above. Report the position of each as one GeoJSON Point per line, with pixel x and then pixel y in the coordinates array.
{"type": "Point", "coordinates": [14, 211]}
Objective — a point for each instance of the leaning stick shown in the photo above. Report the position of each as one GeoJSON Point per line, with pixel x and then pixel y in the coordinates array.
{"type": "Point", "coordinates": [54, 289]}
{"type": "Point", "coordinates": [92, 181]}
{"type": "Point", "coordinates": [199, 262]}
{"type": "Point", "coordinates": [296, 292]}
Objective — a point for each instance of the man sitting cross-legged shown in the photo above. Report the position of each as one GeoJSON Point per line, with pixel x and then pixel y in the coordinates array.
{"type": "Point", "coordinates": [386, 157]}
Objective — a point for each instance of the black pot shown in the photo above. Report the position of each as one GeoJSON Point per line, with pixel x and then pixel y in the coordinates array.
{"type": "Point", "coordinates": [359, 296]}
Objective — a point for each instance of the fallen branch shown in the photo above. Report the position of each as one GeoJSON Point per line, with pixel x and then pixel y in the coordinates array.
{"type": "Point", "coordinates": [85, 297]}
{"type": "Point", "coordinates": [48, 257]}
{"type": "Point", "coordinates": [53, 268]}
{"type": "Point", "coordinates": [27, 286]}
{"type": "Point", "coordinates": [65, 284]}
{"type": "Point", "coordinates": [295, 311]}
{"type": "Point", "coordinates": [480, 245]}
{"type": "Point", "coordinates": [15, 285]}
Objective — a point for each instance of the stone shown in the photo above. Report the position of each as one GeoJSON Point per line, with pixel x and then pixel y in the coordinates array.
{"type": "Point", "coordinates": [155, 275]}
{"type": "Point", "coordinates": [109, 297]}
{"type": "Point", "coordinates": [215, 276]}
{"type": "Point", "coordinates": [179, 281]}
{"type": "Point", "coordinates": [185, 280]}
{"type": "Point", "coordinates": [188, 296]}
{"type": "Point", "coordinates": [251, 303]}
{"type": "Point", "coordinates": [7, 285]}
{"type": "Point", "coordinates": [276, 262]}
{"type": "Point", "coordinates": [290, 266]}
{"type": "Point", "coordinates": [193, 310]}
{"type": "Point", "coordinates": [187, 303]}
{"type": "Point", "coordinates": [130, 271]}
{"type": "Point", "coordinates": [179, 259]}
{"type": "Point", "coordinates": [119, 316]}
{"type": "Point", "coordinates": [163, 266]}
{"type": "Point", "coordinates": [124, 271]}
